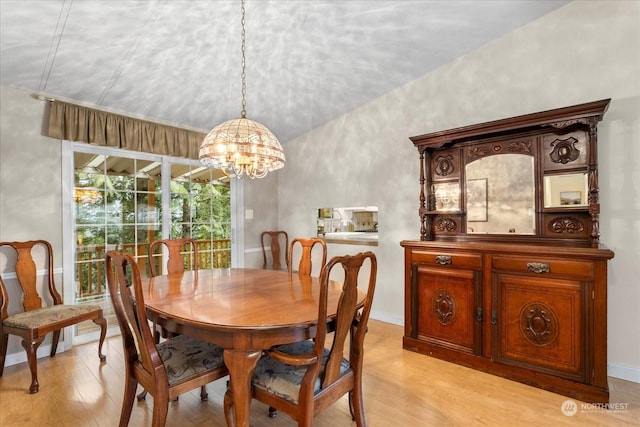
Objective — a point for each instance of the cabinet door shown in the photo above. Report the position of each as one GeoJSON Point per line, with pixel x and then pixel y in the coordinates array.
{"type": "Point", "coordinates": [446, 307]}
{"type": "Point", "coordinates": [540, 324]}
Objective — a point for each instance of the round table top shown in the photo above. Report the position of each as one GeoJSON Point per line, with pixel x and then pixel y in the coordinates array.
{"type": "Point", "coordinates": [239, 298]}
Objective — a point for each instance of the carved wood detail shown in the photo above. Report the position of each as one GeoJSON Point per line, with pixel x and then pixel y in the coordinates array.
{"type": "Point", "coordinates": [566, 225]}
{"type": "Point", "coordinates": [444, 165]}
{"type": "Point", "coordinates": [519, 147]}
{"type": "Point", "coordinates": [564, 150]}
{"type": "Point", "coordinates": [522, 147]}
{"type": "Point", "coordinates": [538, 324]}
{"type": "Point", "coordinates": [477, 153]}
{"type": "Point", "coordinates": [566, 123]}
{"type": "Point", "coordinates": [445, 225]}
{"type": "Point", "coordinates": [444, 306]}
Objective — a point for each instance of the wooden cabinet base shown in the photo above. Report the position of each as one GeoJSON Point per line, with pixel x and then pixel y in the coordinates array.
{"type": "Point", "coordinates": [535, 314]}
{"type": "Point", "coordinates": [579, 391]}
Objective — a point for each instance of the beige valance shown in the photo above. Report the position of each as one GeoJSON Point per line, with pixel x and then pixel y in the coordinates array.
{"type": "Point", "coordinates": [77, 123]}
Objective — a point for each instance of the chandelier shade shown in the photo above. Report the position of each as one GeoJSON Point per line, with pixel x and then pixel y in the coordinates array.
{"type": "Point", "coordinates": [242, 147]}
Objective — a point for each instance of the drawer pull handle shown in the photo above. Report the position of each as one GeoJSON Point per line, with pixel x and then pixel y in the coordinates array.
{"type": "Point", "coordinates": [443, 259]}
{"type": "Point", "coordinates": [538, 267]}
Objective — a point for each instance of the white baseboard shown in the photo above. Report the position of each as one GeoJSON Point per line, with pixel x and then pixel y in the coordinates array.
{"type": "Point", "coordinates": [394, 320]}
{"type": "Point", "coordinates": [21, 356]}
{"type": "Point", "coordinates": [628, 373]}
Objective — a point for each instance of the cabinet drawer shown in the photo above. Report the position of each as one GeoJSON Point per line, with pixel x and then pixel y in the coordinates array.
{"type": "Point", "coordinates": [458, 260]}
{"type": "Point", "coordinates": [540, 265]}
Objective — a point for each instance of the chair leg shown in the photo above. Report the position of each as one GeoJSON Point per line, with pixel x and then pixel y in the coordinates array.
{"type": "Point", "coordinates": [3, 351]}
{"type": "Point", "coordinates": [351, 408]}
{"type": "Point", "coordinates": [54, 342]}
{"type": "Point", "coordinates": [355, 400]}
{"type": "Point", "coordinates": [204, 396]}
{"type": "Point", "coordinates": [127, 400]}
{"type": "Point", "coordinates": [273, 412]}
{"type": "Point", "coordinates": [160, 410]}
{"type": "Point", "coordinates": [32, 348]}
{"type": "Point", "coordinates": [142, 396]}
{"type": "Point", "coordinates": [102, 322]}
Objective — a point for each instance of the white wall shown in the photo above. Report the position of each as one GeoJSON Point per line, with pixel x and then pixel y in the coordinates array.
{"type": "Point", "coordinates": [30, 192]}
{"type": "Point", "coordinates": [582, 52]}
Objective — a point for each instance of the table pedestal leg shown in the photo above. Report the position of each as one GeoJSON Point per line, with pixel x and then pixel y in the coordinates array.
{"type": "Point", "coordinates": [241, 365]}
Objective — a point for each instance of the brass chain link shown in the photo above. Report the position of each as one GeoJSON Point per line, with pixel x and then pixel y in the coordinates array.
{"type": "Point", "coordinates": [243, 74]}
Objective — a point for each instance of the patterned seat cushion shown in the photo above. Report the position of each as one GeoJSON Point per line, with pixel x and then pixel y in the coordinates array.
{"type": "Point", "coordinates": [47, 315]}
{"type": "Point", "coordinates": [185, 357]}
{"type": "Point", "coordinates": [284, 380]}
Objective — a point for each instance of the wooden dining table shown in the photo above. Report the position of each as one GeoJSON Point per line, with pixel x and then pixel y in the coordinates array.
{"type": "Point", "coordinates": [245, 311]}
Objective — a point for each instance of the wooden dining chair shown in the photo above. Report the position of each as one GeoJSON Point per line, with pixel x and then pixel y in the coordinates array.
{"type": "Point", "coordinates": [275, 239]}
{"type": "Point", "coordinates": [165, 370]}
{"type": "Point", "coordinates": [304, 266]}
{"type": "Point", "coordinates": [175, 263]}
{"type": "Point", "coordinates": [177, 248]}
{"type": "Point", "coordinates": [306, 252]}
{"type": "Point", "coordinates": [304, 378]}
{"type": "Point", "coordinates": [176, 255]}
{"type": "Point", "coordinates": [38, 317]}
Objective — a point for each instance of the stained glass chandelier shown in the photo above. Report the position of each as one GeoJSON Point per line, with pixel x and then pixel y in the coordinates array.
{"type": "Point", "coordinates": [242, 147]}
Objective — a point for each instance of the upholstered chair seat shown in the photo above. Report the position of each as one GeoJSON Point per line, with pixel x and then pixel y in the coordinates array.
{"type": "Point", "coordinates": [48, 316]}
{"type": "Point", "coordinates": [284, 380]}
{"type": "Point", "coordinates": [184, 358]}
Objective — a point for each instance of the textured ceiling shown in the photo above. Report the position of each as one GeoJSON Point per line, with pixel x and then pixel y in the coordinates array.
{"type": "Point", "coordinates": [178, 61]}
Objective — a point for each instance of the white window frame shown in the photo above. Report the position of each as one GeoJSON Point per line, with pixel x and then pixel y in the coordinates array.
{"type": "Point", "coordinates": [68, 219]}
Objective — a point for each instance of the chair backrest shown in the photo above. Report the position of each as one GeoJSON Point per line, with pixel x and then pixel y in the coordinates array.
{"type": "Point", "coordinates": [26, 273]}
{"type": "Point", "coordinates": [306, 252]}
{"type": "Point", "coordinates": [349, 322]}
{"type": "Point", "coordinates": [125, 290]}
{"type": "Point", "coordinates": [175, 262]}
{"type": "Point", "coordinates": [274, 243]}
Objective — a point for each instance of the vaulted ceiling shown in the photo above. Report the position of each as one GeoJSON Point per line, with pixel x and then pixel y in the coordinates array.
{"type": "Point", "coordinates": [178, 61]}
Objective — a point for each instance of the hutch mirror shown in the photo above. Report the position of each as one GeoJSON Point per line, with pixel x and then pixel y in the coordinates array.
{"type": "Point", "coordinates": [531, 177]}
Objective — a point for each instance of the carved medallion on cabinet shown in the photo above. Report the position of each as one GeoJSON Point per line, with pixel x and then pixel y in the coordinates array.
{"type": "Point", "coordinates": [562, 151]}
{"type": "Point", "coordinates": [446, 165]}
{"type": "Point", "coordinates": [444, 306]}
{"type": "Point", "coordinates": [538, 324]}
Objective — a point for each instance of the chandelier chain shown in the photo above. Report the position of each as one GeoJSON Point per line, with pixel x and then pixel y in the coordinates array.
{"type": "Point", "coordinates": [243, 74]}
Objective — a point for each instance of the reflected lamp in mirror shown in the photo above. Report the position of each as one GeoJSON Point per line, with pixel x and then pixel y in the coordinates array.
{"type": "Point", "coordinates": [447, 196]}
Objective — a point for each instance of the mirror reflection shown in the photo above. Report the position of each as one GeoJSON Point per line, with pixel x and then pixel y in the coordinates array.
{"type": "Point", "coordinates": [446, 195]}
{"type": "Point", "coordinates": [565, 190]}
{"type": "Point", "coordinates": [500, 195]}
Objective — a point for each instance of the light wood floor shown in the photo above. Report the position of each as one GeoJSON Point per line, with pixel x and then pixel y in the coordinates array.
{"type": "Point", "coordinates": [401, 388]}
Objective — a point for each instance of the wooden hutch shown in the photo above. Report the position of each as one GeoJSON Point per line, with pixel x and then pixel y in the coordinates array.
{"type": "Point", "coordinates": [509, 276]}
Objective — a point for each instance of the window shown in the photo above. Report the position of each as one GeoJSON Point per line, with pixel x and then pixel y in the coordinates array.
{"type": "Point", "coordinates": [123, 201]}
